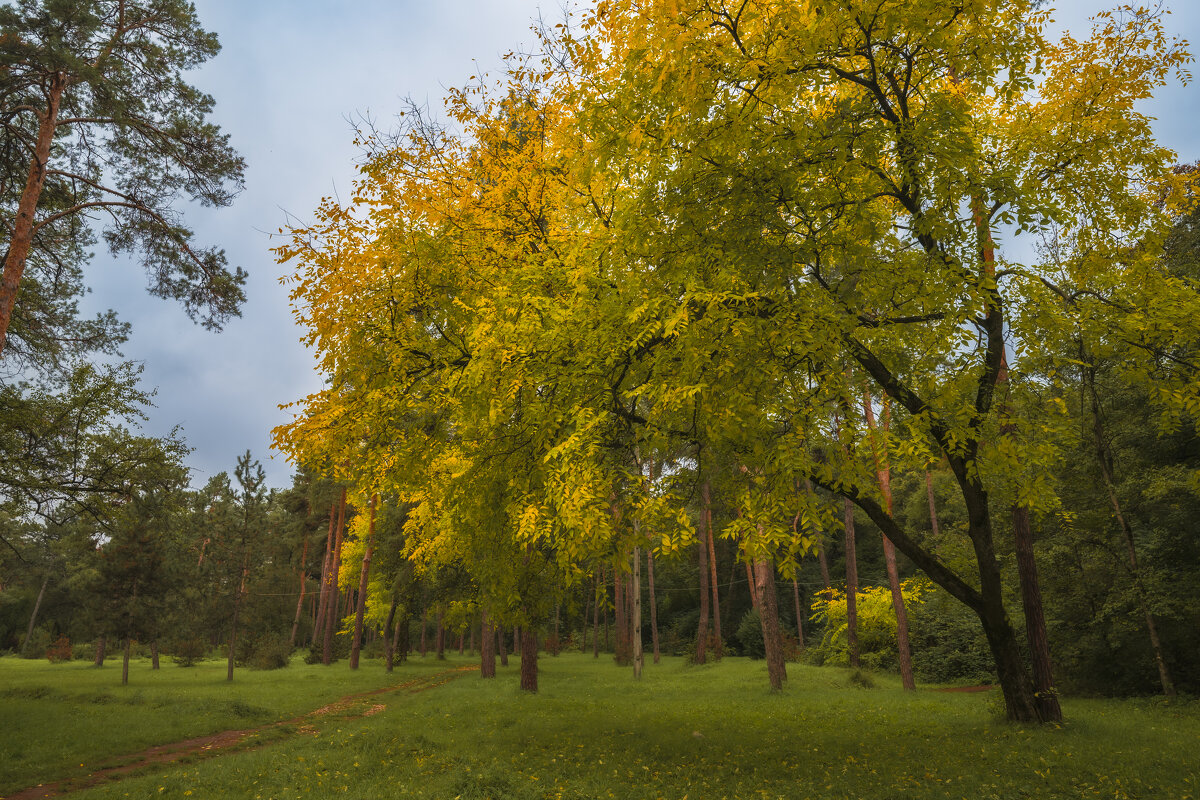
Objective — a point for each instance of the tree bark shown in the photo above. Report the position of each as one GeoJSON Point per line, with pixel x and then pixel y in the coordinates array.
{"type": "Point", "coordinates": [154, 654]}
{"type": "Point", "coordinates": [1107, 469]}
{"type": "Point", "coordinates": [529, 656]}
{"type": "Point", "coordinates": [883, 472]}
{"type": "Point", "coordinates": [237, 606]}
{"type": "Point", "coordinates": [125, 663]}
{"type": "Point", "coordinates": [303, 583]}
{"type": "Point", "coordinates": [702, 628]}
{"type": "Point", "coordinates": [1046, 695]}
{"type": "Point", "coordinates": [638, 655]}
{"type": "Point", "coordinates": [933, 518]}
{"type": "Point", "coordinates": [487, 650]}
{"type": "Point", "coordinates": [768, 614]}
{"type": "Point", "coordinates": [37, 605]}
{"type": "Point", "coordinates": [390, 635]}
{"type": "Point", "coordinates": [364, 574]}
{"type": "Point", "coordinates": [503, 646]}
{"type": "Point", "coordinates": [424, 634]}
{"type": "Point", "coordinates": [799, 618]}
{"type": "Point", "coordinates": [851, 587]}
{"type": "Point", "coordinates": [718, 642]}
{"type": "Point", "coordinates": [621, 649]}
{"type": "Point", "coordinates": [335, 565]}
{"type": "Point", "coordinates": [323, 606]}
{"type": "Point", "coordinates": [439, 641]}
{"type": "Point", "coordinates": [653, 605]}
{"type": "Point", "coordinates": [101, 646]}
{"type": "Point", "coordinates": [24, 227]}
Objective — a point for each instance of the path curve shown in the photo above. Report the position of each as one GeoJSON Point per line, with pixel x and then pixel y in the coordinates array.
{"type": "Point", "coordinates": [214, 744]}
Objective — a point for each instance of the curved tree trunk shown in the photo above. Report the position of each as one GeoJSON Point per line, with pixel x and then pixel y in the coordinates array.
{"type": "Point", "coordinates": [303, 583]}
{"type": "Point", "coordinates": [1035, 619]}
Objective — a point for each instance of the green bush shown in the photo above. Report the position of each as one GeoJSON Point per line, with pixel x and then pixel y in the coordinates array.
{"type": "Point", "coordinates": [186, 652]}
{"type": "Point", "coordinates": [948, 642]}
{"type": "Point", "coordinates": [83, 651]}
{"type": "Point", "coordinates": [749, 634]}
{"type": "Point", "coordinates": [269, 652]}
{"type": "Point", "coordinates": [37, 645]}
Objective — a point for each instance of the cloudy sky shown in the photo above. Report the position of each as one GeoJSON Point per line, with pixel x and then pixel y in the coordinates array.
{"type": "Point", "coordinates": [289, 77]}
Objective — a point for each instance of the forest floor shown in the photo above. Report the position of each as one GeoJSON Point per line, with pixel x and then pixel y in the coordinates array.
{"type": "Point", "coordinates": [683, 731]}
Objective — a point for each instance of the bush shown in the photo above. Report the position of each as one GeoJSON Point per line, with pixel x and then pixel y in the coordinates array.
{"type": "Point", "coordinates": [948, 642]}
{"type": "Point", "coordinates": [749, 634]}
{"type": "Point", "coordinates": [60, 651]}
{"type": "Point", "coordinates": [83, 651]}
{"type": "Point", "coordinates": [37, 645]}
{"type": "Point", "coordinates": [270, 652]}
{"type": "Point", "coordinates": [186, 652]}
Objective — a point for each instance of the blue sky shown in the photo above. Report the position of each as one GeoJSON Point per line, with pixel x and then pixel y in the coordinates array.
{"type": "Point", "coordinates": [289, 77]}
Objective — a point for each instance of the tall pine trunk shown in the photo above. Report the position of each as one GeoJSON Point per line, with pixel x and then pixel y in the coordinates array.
{"type": "Point", "coordinates": [23, 229]}
{"type": "Point", "coordinates": [799, 617]}
{"type": "Point", "coordinates": [601, 595]}
{"type": "Point", "coordinates": [125, 663]}
{"type": "Point", "coordinates": [390, 636]}
{"type": "Point", "coordinates": [37, 605]}
{"type": "Point", "coordinates": [883, 473]}
{"type": "Point", "coordinates": [335, 564]}
{"type": "Point", "coordinates": [323, 605]}
{"type": "Point", "coordinates": [487, 649]}
{"type": "Point", "coordinates": [300, 601]}
{"type": "Point", "coordinates": [718, 642]}
{"type": "Point", "coordinates": [101, 647]}
{"type": "Point", "coordinates": [653, 605]}
{"type": "Point", "coordinates": [361, 608]}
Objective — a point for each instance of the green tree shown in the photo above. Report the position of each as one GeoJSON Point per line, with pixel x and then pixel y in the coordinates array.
{"type": "Point", "coordinates": [96, 120]}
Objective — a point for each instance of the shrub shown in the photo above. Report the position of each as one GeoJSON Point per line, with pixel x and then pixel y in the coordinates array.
{"type": "Point", "coordinates": [948, 642]}
{"type": "Point", "coordinates": [60, 651]}
{"type": "Point", "coordinates": [186, 652]}
{"type": "Point", "coordinates": [83, 651]}
{"type": "Point", "coordinates": [876, 624]}
{"type": "Point", "coordinates": [749, 634]}
{"type": "Point", "coordinates": [270, 652]}
{"type": "Point", "coordinates": [37, 645]}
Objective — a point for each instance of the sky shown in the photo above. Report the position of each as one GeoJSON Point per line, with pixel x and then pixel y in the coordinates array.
{"type": "Point", "coordinates": [291, 76]}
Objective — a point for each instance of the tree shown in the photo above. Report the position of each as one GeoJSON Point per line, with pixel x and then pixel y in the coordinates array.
{"type": "Point", "coordinates": [96, 119]}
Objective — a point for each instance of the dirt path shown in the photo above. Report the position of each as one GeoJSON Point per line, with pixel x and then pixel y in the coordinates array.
{"type": "Point", "coordinates": [352, 706]}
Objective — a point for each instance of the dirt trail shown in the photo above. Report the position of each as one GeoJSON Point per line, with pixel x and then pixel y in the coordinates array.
{"type": "Point", "coordinates": [352, 706]}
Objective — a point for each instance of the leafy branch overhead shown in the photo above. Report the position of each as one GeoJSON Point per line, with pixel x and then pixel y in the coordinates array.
{"type": "Point", "coordinates": [98, 123]}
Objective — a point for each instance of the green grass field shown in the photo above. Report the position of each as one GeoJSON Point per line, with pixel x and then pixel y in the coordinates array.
{"type": "Point", "coordinates": [683, 731]}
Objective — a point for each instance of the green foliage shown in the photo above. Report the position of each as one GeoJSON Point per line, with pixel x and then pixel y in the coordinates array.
{"type": "Point", "coordinates": [948, 646]}
{"type": "Point", "coordinates": [269, 652]}
{"type": "Point", "coordinates": [749, 635]}
{"type": "Point", "coordinates": [37, 644]}
{"type": "Point", "coordinates": [188, 652]}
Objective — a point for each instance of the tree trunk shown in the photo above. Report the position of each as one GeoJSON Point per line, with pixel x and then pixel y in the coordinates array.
{"type": "Point", "coordinates": [529, 655]}
{"type": "Point", "coordinates": [23, 229]}
{"type": "Point", "coordinates": [487, 650]}
{"type": "Point", "coordinates": [821, 558]}
{"type": "Point", "coordinates": [439, 641]}
{"type": "Point", "coordinates": [303, 583]}
{"type": "Point", "coordinates": [154, 654]}
{"type": "Point", "coordinates": [101, 646]}
{"type": "Point", "coordinates": [751, 586]}
{"type": "Point", "coordinates": [125, 663]}
{"type": "Point", "coordinates": [622, 645]}
{"type": "Point", "coordinates": [424, 634]}
{"type": "Point", "coordinates": [601, 594]}
{"type": "Point", "coordinates": [768, 614]}
{"type": "Point", "coordinates": [361, 608]}
{"type": "Point", "coordinates": [323, 606]}
{"type": "Point", "coordinates": [851, 587]}
{"type": "Point", "coordinates": [1035, 620]}
{"type": "Point", "coordinates": [37, 604]}
{"type": "Point", "coordinates": [335, 565]}
{"type": "Point", "coordinates": [471, 644]}
{"type": "Point", "coordinates": [237, 606]}
{"type": "Point", "coordinates": [1104, 457]}
{"type": "Point", "coordinates": [702, 551]}
{"type": "Point", "coordinates": [638, 655]}
{"type": "Point", "coordinates": [718, 642]}
{"type": "Point", "coordinates": [461, 645]}
{"type": "Point", "coordinates": [653, 606]}
{"type": "Point", "coordinates": [933, 519]}
{"type": "Point", "coordinates": [390, 635]}
{"type": "Point", "coordinates": [799, 617]}
{"type": "Point", "coordinates": [883, 473]}
{"type": "Point", "coordinates": [503, 647]}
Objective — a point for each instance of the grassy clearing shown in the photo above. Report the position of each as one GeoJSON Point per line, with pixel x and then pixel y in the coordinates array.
{"type": "Point", "coordinates": [697, 732]}
{"type": "Point", "coordinates": [61, 720]}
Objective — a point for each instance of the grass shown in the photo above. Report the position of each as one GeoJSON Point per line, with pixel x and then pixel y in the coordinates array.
{"type": "Point", "coordinates": [60, 720]}
{"type": "Point", "coordinates": [683, 731]}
